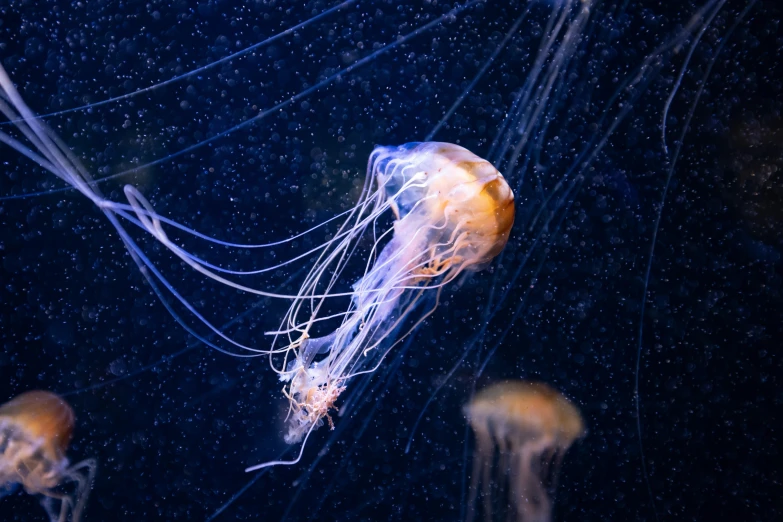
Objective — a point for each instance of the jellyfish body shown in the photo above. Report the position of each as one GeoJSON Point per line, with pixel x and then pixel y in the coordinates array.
{"type": "Point", "coordinates": [529, 426]}
{"type": "Point", "coordinates": [453, 212]}
{"type": "Point", "coordinates": [35, 429]}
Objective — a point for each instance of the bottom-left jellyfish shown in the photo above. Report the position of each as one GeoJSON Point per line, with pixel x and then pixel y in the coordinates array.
{"type": "Point", "coordinates": [35, 429]}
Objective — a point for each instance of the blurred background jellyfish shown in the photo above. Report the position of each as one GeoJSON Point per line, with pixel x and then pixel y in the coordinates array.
{"type": "Point", "coordinates": [522, 431]}
{"type": "Point", "coordinates": [35, 430]}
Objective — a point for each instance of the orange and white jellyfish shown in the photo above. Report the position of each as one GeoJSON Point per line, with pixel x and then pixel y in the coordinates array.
{"type": "Point", "coordinates": [453, 212]}
{"type": "Point", "coordinates": [35, 429]}
{"type": "Point", "coordinates": [522, 431]}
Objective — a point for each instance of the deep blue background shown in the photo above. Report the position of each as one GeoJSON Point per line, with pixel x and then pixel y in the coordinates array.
{"type": "Point", "coordinates": [172, 441]}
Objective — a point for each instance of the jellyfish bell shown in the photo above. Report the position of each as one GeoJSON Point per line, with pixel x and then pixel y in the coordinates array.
{"type": "Point", "coordinates": [519, 406]}
{"type": "Point", "coordinates": [529, 426]}
{"type": "Point", "coordinates": [35, 430]}
{"type": "Point", "coordinates": [45, 417]}
{"type": "Point", "coordinates": [464, 191]}
{"type": "Point", "coordinates": [453, 212]}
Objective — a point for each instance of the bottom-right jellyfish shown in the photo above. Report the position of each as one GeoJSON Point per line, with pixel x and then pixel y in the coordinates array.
{"type": "Point", "coordinates": [522, 431]}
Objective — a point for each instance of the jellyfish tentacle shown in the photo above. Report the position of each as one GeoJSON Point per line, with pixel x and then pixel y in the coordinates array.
{"type": "Point", "coordinates": [197, 70]}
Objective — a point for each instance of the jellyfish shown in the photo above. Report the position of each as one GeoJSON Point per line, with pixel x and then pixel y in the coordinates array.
{"type": "Point", "coordinates": [529, 426]}
{"type": "Point", "coordinates": [452, 213]}
{"type": "Point", "coordinates": [35, 429]}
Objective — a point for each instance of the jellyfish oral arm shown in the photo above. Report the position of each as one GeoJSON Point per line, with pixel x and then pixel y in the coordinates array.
{"type": "Point", "coordinates": [376, 313]}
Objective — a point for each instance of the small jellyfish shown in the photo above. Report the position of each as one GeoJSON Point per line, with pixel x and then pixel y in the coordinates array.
{"type": "Point", "coordinates": [529, 426]}
{"type": "Point", "coordinates": [35, 429]}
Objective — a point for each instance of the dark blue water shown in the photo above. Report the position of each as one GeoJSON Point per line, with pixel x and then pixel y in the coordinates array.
{"type": "Point", "coordinates": [174, 432]}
